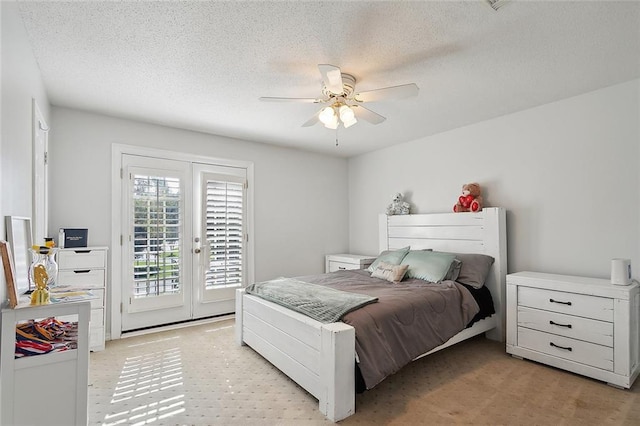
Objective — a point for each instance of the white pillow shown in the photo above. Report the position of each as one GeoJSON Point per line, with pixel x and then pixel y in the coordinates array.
{"type": "Point", "coordinates": [390, 272]}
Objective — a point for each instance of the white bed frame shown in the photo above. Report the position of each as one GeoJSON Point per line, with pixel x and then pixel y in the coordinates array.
{"type": "Point", "coordinates": [321, 357]}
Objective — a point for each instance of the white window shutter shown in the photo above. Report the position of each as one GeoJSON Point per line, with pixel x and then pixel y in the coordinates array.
{"type": "Point", "coordinates": [224, 224]}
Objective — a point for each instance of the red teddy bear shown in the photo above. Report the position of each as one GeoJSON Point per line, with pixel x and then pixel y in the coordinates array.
{"type": "Point", "coordinates": [470, 200]}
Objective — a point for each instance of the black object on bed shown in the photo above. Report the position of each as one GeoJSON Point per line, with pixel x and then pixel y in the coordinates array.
{"type": "Point", "coordinates": [482, 296]}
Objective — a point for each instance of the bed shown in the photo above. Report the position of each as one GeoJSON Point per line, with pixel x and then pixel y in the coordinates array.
{"type": "Point", "coordinates": [321, 357]}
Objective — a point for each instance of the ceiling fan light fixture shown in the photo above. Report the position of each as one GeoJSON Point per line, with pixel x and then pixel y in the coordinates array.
{"type": "Point", "coordinates": [346, 113]}
{"type": "Point", "coordinates": [333, 123]}
{"type": "Point", "coordinates": [349, 123]}
{"type": "Point", "coordinates": [327, 115]}
{"type": "Point", "coordinates": [347, 116]}
{"type": "Point", "coordinates": [341, 99]}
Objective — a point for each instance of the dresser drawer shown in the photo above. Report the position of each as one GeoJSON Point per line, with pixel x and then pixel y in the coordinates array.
{"type": "Point", "coordinates": [97, 318]}
{"type": "Point", "coordinates": [82, 277]}
{"type": "Point", "coordinates": [341, 266]}
{"type": "Point", "coordinates": [82, 259]}
{"type": "Point", "coordinates": [563, 347]}
{"type": "Point", "coordinates": [98, 302]}
{"type": "Point", "coordinates": [588, 330]}
{"type": "Point", "coordinates": [600, 308]}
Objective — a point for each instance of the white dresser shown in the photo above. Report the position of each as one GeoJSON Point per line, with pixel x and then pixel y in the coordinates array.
{"type": "Point", "coordinates": [338, 262]}
{"type": "Point", "coordinates": [86, 268]}
{"type": "Point", "coordinates": [584, 325]}
{"type": "Point", "coordinates": [50, 388]}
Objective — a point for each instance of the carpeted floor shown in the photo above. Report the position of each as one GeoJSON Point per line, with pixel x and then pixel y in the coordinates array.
{"type": "Point", "coordinates": [198, 376]}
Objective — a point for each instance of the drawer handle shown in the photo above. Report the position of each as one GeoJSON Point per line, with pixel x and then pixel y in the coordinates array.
{"type": "Point", "coordinates": [342, 268]}
{"type": "Point", "coordinates": [566, 348]}
{"type": "Point", "coordinates": [82, 251]}
{"type": "Point", "coordinates": [560, 325]}
{"type": "Point", "coordinates": [562, 303]}
{"type": "Point", "coordinates": [82, 271]}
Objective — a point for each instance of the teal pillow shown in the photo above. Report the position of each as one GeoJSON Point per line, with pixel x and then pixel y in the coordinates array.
{"type": "Point", "coordinates": [428, 265]}
{"type": "Point", "coordinates": [393, 257]}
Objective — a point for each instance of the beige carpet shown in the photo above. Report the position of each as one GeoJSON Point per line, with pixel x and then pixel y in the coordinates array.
{"type": "Point", "coordinates": [198, 376]}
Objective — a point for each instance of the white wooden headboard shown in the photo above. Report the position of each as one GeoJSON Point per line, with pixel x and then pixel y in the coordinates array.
{"type": "Point", "coordinates": [483, 232]}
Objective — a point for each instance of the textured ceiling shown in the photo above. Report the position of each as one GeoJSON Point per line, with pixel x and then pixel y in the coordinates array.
{"type": "Point", "coordinates": [203, 65]}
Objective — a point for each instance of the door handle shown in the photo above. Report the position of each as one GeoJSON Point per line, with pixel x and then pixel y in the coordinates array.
{"type": "Point", "coordinates": [197, 251]}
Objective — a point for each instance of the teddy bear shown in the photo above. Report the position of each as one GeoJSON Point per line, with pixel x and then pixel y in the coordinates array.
{"type": "Point", "coordinates": [470, 200]}
{"type": "Point", "coordinates": [398, 206]}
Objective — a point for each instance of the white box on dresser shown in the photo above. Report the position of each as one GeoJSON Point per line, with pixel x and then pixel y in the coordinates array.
{"type": "Point", "coordinates": [338, 262]}
{"type": "Point", "coordinates": [86, 268]}
{"type": "Point", "coordinates": [584, 325]}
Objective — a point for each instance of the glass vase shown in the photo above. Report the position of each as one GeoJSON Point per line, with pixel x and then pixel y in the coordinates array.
{"type": "Point", "coordinates": [47, 258]}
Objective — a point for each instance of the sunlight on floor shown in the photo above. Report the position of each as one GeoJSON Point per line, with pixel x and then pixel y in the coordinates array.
{"type": "Point", "coordinates": [219, 328]}
{"type": "Point", "coordinates": [143, 377]}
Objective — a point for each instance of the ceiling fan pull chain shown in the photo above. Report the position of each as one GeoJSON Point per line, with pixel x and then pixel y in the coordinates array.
{"type": "Point", "coordinates": [336, 137]}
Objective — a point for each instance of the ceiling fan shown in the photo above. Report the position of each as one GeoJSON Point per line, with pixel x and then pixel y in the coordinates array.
{"type": "Point", "coordinates": [344, 104]}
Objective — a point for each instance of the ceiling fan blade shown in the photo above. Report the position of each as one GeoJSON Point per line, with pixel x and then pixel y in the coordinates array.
{"type": "Point", "coordinates": [303, 100]}
{"type": "Point", "coordinates": [312, 121]}
{"type": "Point", "coordinates": [367, 115]}
{"type": "Point", "coordinates": [388, 93]}
{"type": "Point", "coordinates": [332, 78]}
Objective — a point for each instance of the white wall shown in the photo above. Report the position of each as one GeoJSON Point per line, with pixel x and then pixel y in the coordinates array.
{"type": "Point", "coordinates": [567, 173]}
{"type": "Point", "coordinates": [301, 208]}
{"type": "Point", "coordinates": [21, 82]}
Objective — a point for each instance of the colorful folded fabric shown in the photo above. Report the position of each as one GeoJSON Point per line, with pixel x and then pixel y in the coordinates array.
{"type": "Point", "coordinates": [45, 336]}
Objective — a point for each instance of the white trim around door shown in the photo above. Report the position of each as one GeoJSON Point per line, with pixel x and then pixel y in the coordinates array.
{"type": "Point", "coordinates": [114, 292]}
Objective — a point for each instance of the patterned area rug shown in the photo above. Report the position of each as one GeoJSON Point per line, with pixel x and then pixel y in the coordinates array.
{"type": "Point", "coordinates": [199, 376]}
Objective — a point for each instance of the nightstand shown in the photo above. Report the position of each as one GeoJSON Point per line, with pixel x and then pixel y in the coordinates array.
{"type": "Point", "coordinates": [338, 262]}
{"type": "Point", "coordinates": [584, 325]}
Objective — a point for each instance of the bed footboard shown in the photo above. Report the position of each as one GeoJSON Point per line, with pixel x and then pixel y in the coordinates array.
{"type": "Point", "coordinates": [319, 357]}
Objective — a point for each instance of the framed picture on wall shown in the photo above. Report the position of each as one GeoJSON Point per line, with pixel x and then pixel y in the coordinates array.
{"type": "Point", "coordinates": [7, 264]}
{"type": "Point", "coordinates": [20, 239]}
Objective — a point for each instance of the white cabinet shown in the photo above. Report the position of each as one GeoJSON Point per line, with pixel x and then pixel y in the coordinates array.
{"type": "Point", "coordinates": [584, 325]}
{"type": "Point", "coordinates": [50, 388]}
{"type": "Point", "coordinates": [85, 268]}
{"type": "Point", "coordinates": [338, 262]}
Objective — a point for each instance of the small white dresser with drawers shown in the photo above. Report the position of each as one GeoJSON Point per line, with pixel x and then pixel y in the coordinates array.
{"type": "Point", "coordinates": [85, 268]}
{"type": "Point", "coordinates": [583, 325]}
{"type": "Point", "coordinates": [340, 262]}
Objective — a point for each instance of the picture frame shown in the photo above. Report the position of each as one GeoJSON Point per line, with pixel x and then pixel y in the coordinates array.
{"type": "Point", "coordinates": [7, 264]}
{"type": "Point", "coordinates": [19, 237]}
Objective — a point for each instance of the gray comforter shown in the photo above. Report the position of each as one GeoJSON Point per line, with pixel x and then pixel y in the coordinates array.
{"type": "Point", "coordinates": [409, 319]}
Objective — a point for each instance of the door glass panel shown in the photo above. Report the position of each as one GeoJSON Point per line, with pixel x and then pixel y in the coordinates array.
{"type": "Point", "coordinates": [224, 233]}
{"type": "Point", "coordinates": [156, 283]}
{"type": "Point", "coordinates": [157, 223]}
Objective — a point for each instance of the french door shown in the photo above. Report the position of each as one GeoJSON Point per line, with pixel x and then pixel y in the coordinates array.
{"type": "Point", "coordinates": [219, 241]}
{"type": "Point", "coordinates": [183, 240]}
